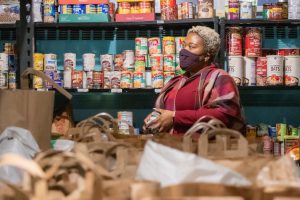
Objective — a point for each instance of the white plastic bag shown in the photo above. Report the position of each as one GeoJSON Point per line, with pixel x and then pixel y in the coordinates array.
{"type": "Point", "coordinates": [17, 141]}
{"type": "Point", "coordinates": [63, 145]}
{"type": "Point", "coordinates": [171, 167]}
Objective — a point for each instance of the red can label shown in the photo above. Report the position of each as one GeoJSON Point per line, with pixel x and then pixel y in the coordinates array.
{"type": "Point", "coordinates": [253, 43]}
{"type": "Point", "coordinates": [235, 44]}
{"type": "Point", "coordinates": [261, 71]}
{"type": "Point", "coordinates": [77, 79]}
{"type": "Point", "coordinates": [97, 80]}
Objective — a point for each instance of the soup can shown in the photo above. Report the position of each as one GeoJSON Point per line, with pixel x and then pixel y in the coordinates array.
{"type": "Point", "coordinates": [50, 62]}
{"type": "Point", "coordinates": [139, 80]}
{"type": "Point", "coordinates": [141, 46]}
{"type": "Point", "coordinates": [275, 70]}
{"type": "Point", "coordinates": [79, 9]}
{"type": "Point", "coordinates": [253, 42]}
{"type": "Point", "coordinates": [169, 45]}
{"type": "Point", "coordinates": [12, 80]}
{"type": "Point", "coordinates": [103, 8]}
{"type": "Point", "coordinates": [118, 62]}
{"type": "Point", "coordinates": [179, 44]}
{"type": "Point", "coordinates": [145, 7]}
{"type": "Point", "coordinates": [233, 10]}
{"type": "Point", "coordinates": [292, 70]}
{"type": "Point", "coordinates": [115, 79]}
{"type": "Point", "coordinates": [50, 74]}
{"type": "Point", "coordinates": [38, 61]}
{"type": "Point", "coordinates": [157, 79]}
{"type": "Point", "coordinates": [106, 79]}
{"type": "Point", "coordinates": [70, 61]}
{"type": "Point", "coordinates": [168, 10]}
{"type": "Point", "coordinates": [3, 80]}
{"type": "Point", "coordinates": [156, 62]}
{"type": "Point", "coordinates": [187, 11]}
{"type": "Point", "coordinates": [168, 76]}
{"type": "Point", "coordinates": [3, 62]}
{"type": "Point", "coordinates": [250, 71]}
{"type": "Point", "coordinates": [236, 69]}
{"type": "Point", "coordinates": [67, 79]}
{"type": "Point", "coordinates": [59, 78]}
{"type": "Point", "coordinates": [124, 8]}
{"type": "Point", "coordinates": [91, 9]}
{"type": "Point", "coordinates": [246, 11]}
{"type": "Point", "coordinates": [98, 80]}
{"type": "Point", "coordinates": [288, 52]}
{"type": "Point", "coordinates": [49, 11]}
{"type": "Point", "coordinates": [89, 62]}
{"type": "Point", "coordinates": [205, 8]}
{"type": "Point", "coordinates": [89, 75]}
{"type": "Point", "coordinates": [125, 120]}
{"type": "Point", "coordinates": [128, 60]}
{"type": "Point", "coordinates": [154, 45]}
{"type": "Point", "coordinates": [106, 62]}
{"type": "Point", "coordinates": [235, 41]}
{"type": "Point", "coordinates": [37, 82]}
{"type": "Point", "coordinates": [140, 63]}
{"type": "Point", "coordinates": [126, 79]}
{"type": "Point", "coordinates": [77, 79]}
{"type": "Point", "coordinates": [169, 63]}
{"type": "Point", "coordinates": [66, 9]}
{"type": "Point", "coordinates": [261, 71]}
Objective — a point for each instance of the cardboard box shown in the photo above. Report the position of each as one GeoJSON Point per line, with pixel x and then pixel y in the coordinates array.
{"type": "Point", "coordinates": [135, 17]}
{"type": "Point", "coordinates": [74, 18]}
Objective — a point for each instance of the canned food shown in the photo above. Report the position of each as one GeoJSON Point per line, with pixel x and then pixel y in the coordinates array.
{"type": "Point", "coordinates": [205, 9]}
{"type": "Point", "coordinates": [124, 8]}
{"type": "Point", "coordinates": [140, 63]}
{"type": "Point", "coordinates": [79, 9]}
{"type": "Point", "coordinates": [50, 74]}
{"type": "Point", "coordinates": [128, 60]}
{"type": "Point", "coordinates": [266, 11]}
{"type": "Point", "coordinates": [111, 7]}
{"type": "Point", "coordinates": [115, 79]}
{"type": "Point", "coordinates": [89, 62]}
{"type": "Point", "coordinates": [118, 62]}
{"type": "Point", "coordinates": [251, 132]}
{"type": "Point", "coordinates": [169, 63]}
{"type": "Point", "coordinates": [187, 11]}
{"type": "Point", "coordinates": [169, 45]}
{"type": "Point", "coordinates": [179, 44]}
{"type": "Point", "coordinates": [126, 79]}
{"type": "Point", "coordinates": [267, 144]}
{"type": "Point", "coordinates": [156, 62]}
{"type": "Point", "coordinates": [233, 10]}
{"type": "Point", "coordinates": [261, 71]}
{"type": "Point", "coordinates": [12, 80]}
{"type": "Point", "coordinates": [168, 76]}
{"type": "Point", "coordinates": [236, 69]}
{"type": "Point", "coordinates": [3, 62]}
{"type": "Point", "coordinates": [157, 79]}
{"type": "Point", "coordinates": [281, 130]}
{"type": "Point", "coordinates": [3, 80]}
{"type": "Point", "coordinates": [253, 42]}
{"type": "Point", "coordinates": [179, 11]}
{"type": "Point", "coordinates": [139, 80]}
{"type": "Point", "coordinates": [89, 79]}
{"type": "Point", "coordinates": [148, 79]}
{"type": "Point", "coordinates": [77, 79]}
{"type": "Point", "coordinates": [106, 62]}
{"type": "Point", "coordinates": [275, 70]}
{"type": "Point", "coordinates": [68, 79]}
{"type": "Point", "coordinates": [125, 120]}
{"type": "Point", "coordinates": [59, 78]}
{"type": "Point", "coordinates": [91, 9]}
{"type": "Point", "coordinates": [145, 7]}
{"type": "Point", "coordinates": [250, 67]}
{"type": "Point", "coordinates": [288, 52]}
{"type": "Point", "coordinates": [276, 12]}
{"type": "Point", "coordinates": [98, 80]}
{"type": "Point", "coordinates": [66, 9]}
{"type": "Point", "coordinates": [69, 61]}
{"type": "Point", "coordinates": [246, 11]}
{"type": "Point", "coordinates": [50, 62]}
{"type": "Point", "coordinates": [38, 61]}
{"type": "Point", "coordinates": [234, 41]}
{"type": "Point", "coordinates": [168, 10]}
{"type": "Point", "coordinates": [103, 8]}
{"type": "Point", "coordinates": [37, 82]}
{"type": "Point", "coordinates": [154, 45]}
{"type": "Point", "coordinates": [141, 46]}
{"type": "Point", "coordinates": [134, 8]}
{"type": "Point", "coordinates": [106, 79]}
{"type": "Point", "coordinates": [284, 6]}
{"type": "Point", "coordinates": [49, 11]}
{"type": "Point", "coordinates": [292, 70]}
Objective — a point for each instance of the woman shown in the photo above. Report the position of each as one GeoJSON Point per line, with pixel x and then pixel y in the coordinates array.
{"type": "Point", "coordinates": [202, 90]}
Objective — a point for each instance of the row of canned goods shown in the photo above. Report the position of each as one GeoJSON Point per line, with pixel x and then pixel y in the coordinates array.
{"type": "Point", "coordinates": [252, 39]}
{"type": "Point", "coordinates": [263, 71]}
{"type": "Point", "coordinates": [170, 45]}
{"type": "Point", "coordinates": [8, 80]}
{"type": "Point", "coordinates": [107, 80]}
{"type": "Point", "coordinates": [119, 62]}
{"type": "Point", "coordinates": [84, 9]}
{"type": "Point", "coordinates": [135, 7]}
{"type": "Point", "coordinates": [240, 10]}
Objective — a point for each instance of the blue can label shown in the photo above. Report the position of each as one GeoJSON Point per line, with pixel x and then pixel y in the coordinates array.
{"type": "Point", "coordinates": [79, 9]}
{"type": "Point", "coordinates": [50, 74]}
{"type": "Point", "coordinates": [66, 9]}
{"type": "Point", "coordinates": [49, 10]}
{"type": "Point", "coordinates": [58, 78]}
{"type": "Point", "coordinates": [103, 8]}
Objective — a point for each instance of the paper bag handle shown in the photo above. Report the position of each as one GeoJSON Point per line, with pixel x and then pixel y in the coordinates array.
{"type": "Point", "coordinates": [242, 144]}
{"type": "Point", "coordinates": [25, 81]}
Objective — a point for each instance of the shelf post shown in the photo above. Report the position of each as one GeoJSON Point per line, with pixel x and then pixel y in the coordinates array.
{"type": "Point", "coordinates": [222, 50]}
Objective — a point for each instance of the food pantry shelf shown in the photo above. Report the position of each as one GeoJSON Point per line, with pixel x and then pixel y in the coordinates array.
{"type": "Point", "coordinates": [7, 26]}
{"type": "Point", "coordinates": [263, 22]}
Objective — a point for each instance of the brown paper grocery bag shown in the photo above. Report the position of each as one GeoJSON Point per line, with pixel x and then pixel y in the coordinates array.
{"type": "Point", "coordinates": [30, 109]}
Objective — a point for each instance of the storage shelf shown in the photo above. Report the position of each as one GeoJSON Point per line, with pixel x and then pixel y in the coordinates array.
{"type": "Point", "coordinates": [7, 26]}
{"type": "Point", "coordinates": [249, 22]}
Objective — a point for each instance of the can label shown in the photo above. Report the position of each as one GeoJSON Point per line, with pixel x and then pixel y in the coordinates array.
{"type": "Point", "coordinates": [49, 11]}
{"type": "Point", "coordinates": [69, 61]}
{"type": "Point", "coordinates": [68, 79]}
{"type": "Point", "coordinates": [139, 80]}
{"type": "Point", "coordinates": [98, 80]}
{"type": "Point", "coordinates": [115, 79]}
{"type": "Point", "coordinates": [118, 62]}
{"type": "Point", "coordinates": [168, 45]}
{"type": "Point", "coordinates": [77, 79]}
{"type": "Point", "coordinates": [275, 70]}
{"type": "Point", "coordinates": [140, 63]}
{"type": "Point", "coordinates": [50, 62]}
{"type": "Point", "coordinates": [154, 45]}
{"type": "Point", "coordinates": [106, 62]}
{"type": "Point", "coordinates": [12, 84]}
{"type": "Point", "coordinates": [125, 120]}
{"type": "Point", "coordinates": [157, 79]}
{"type": "Point", "coordinates": [38, 61]}
{"type": "Point", "coordinates": [141, 46]}
{"type": "Point", "coordinates": [66, 9]}
{"type": "Point", "coordinates": [246, 11]}
{"type": "Point", "coordinates": [102, 8]}
{"type": "Point", "coordinates": [106, 80]}
{"type": "Point", "coordinates": [37, 82]}
{"type": "Point", "coordinates": [3, 62]}
{"type": "Point", "coordinates": [187, 11]}
{"type": "Point", "coordinates": [250, 67]}
{"type": "Point", "coordinates": [128, 60]}
{"type": "Point", "coordinates": [88, 62]}
{"type": "Point", "coordinates": [126, 79]}
{"type": "Point", "coordinates": [288, 52]}
{"type": "Point", "coordinates": [50, 74]}
{"type": "Point", "coordinates": [292, 70]}
{"type": "Point", "coordinates": [79, 9]}
{"type": "Point", "coordinates": [235, 42]}
{"type": "Point", "coordinates": [169, 63]}
{"type": "Point", "coordinates": [156, 62]}
{"type": "Point", "coordinates": [253, 43]}
{"type": "Point", "coordinates": [236, 69]}
{"type": "Point", "coordinates": [59, 78]}
{"type": "Point", "coordinates": [261, 71]}
{"type": "Point", "coordinates": [3, 80]}
{"type": "Point", "coordinates": [179, 44]}
{"type": "Point", "coordinates": [233, 10]}
{"type": "Point", "coordinates": [168, 76]}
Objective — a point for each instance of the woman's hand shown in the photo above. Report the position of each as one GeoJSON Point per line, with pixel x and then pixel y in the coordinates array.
{"type": "Point", "coordinates": [164, 122]}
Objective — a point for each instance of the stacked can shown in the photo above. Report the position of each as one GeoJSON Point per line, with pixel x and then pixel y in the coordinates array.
{"type": "Point", "coordinates": [205, 8]}
{"type": "Point", "coordinates": [155, 62]}
{"type": "Point", "coordinates": [186, 10]}
{"type": "Point", "coordinates": [69, 66]}
{"type": "Point", "coordinates": [38, 64]}
{"type": "Point", "coordinates": [168, 9]}
{"type": "Point", "coordinates": [141, 60]}
{"type": "Point", "coordinates": [169, 52]}
{"type": "Point", "coordinates": [233, 10]}
{"type": "Point", "coordinates": [3, 71]}
{"type": "Point", "coordinates": [292, 70]}
{"type": "Point", "coordinates": [294, 9]}
{"type": "Point", "coordinates": [50, 67]}
{"type": "Point", "coordinates": [49, 11]}
{"type": "Point", "coordinates": [89, 63]}
{"type": "Point", "coordinates": [179, 45]}
{"type": "Point", "coordinates": [246, 10]}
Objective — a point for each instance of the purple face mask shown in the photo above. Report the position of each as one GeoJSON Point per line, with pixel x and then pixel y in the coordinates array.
{"type": "Point", "coordinates": [188, 59]}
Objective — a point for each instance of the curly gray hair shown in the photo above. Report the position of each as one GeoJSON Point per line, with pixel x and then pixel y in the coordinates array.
{"type": "Point", "coordinates": [211, 39]}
